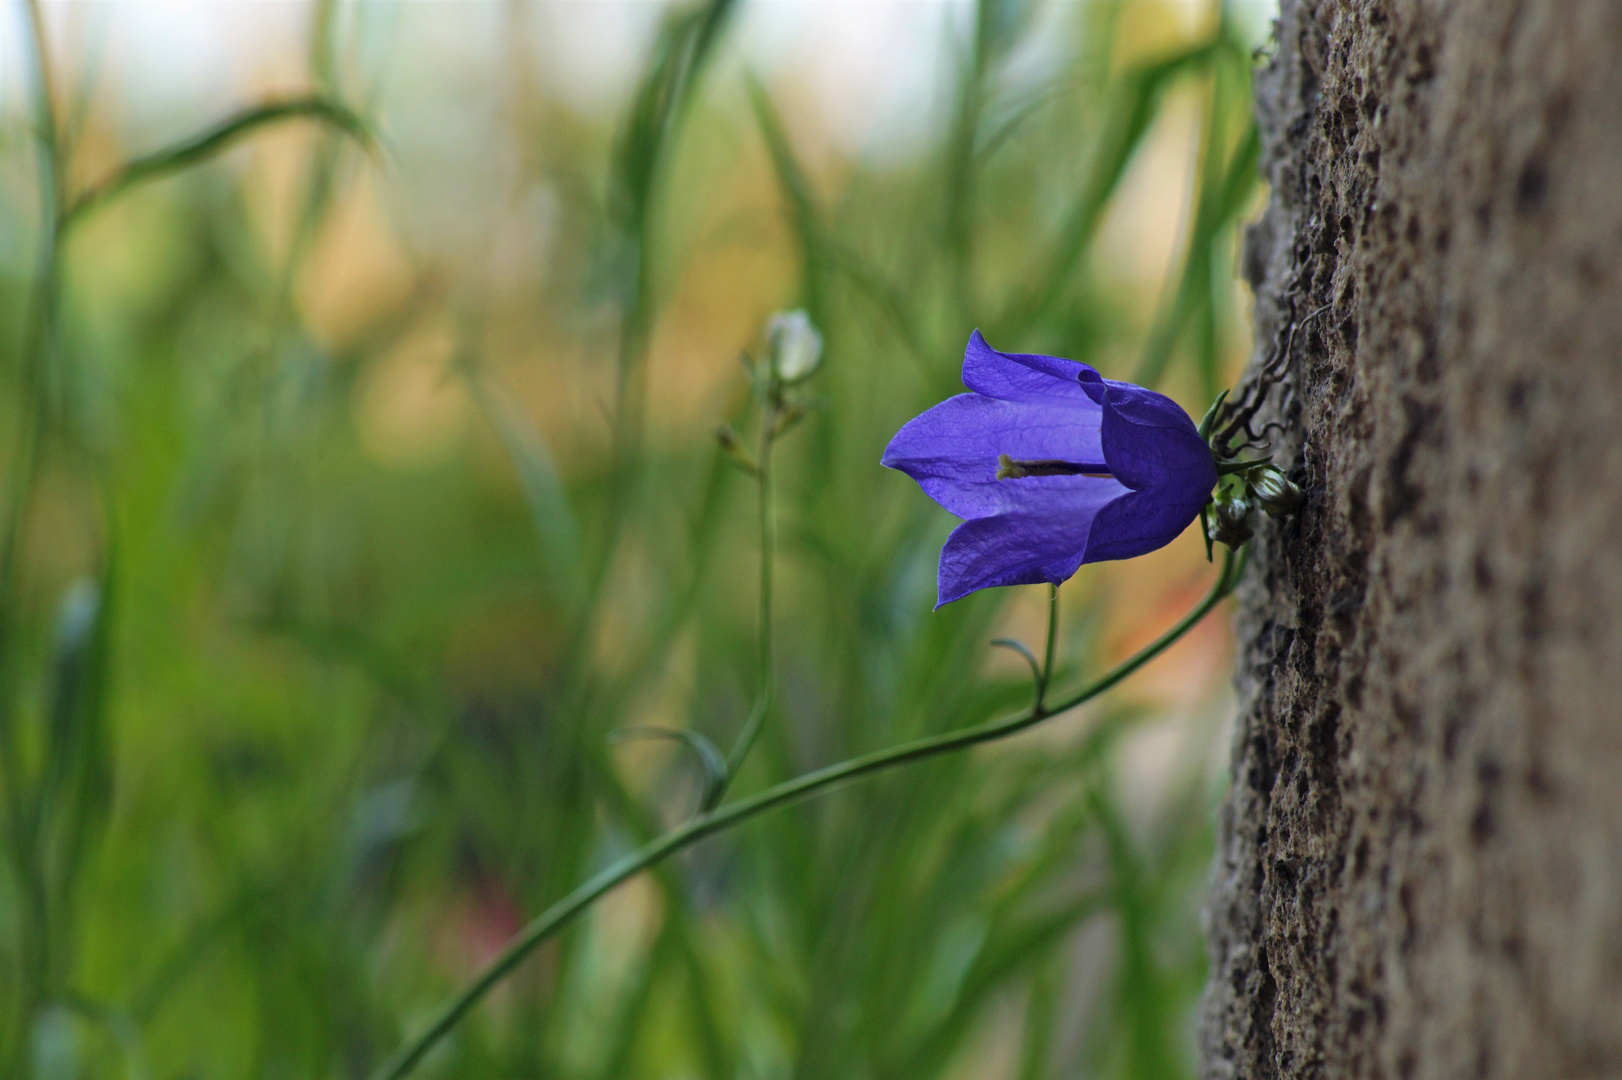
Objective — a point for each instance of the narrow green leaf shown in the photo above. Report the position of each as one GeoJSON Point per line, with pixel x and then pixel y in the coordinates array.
{"type": "Point", "coordinates": [549, 507]}
{"type": "Point", "coordinates": [803, 214]}
{"type": "Point", "coordinates": [999, 963]}
{"type": "Point", "coordinates": [680, 55]}
{"type": "Point", "coordinates": [708, 754]}
{"type": "Point", "coordinates": [126, 1033]}
{"type": "Point", "coordinates": [76, 795]}
{"type": "Point", "coordinates": [1223, 192]}
{"type": "Point", "coordinates": [626, 1024]}
{"type": "Point", "coordinates": [214, 140]}
{"type": "Point", "coordinates": [1041, 1015]}
{"type": "Point", "coordinates": [1130, 110]}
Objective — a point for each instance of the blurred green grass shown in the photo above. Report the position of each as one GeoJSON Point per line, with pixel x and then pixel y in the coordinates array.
{"type": "Point", "coordinates": [326, 598]}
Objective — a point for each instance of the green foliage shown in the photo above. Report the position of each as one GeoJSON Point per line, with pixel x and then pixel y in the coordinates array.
{"type": "Point", "coordinates": [292, 737]}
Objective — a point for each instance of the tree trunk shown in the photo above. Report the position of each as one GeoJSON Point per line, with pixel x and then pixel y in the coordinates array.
{"type": "Point", "coordinates": [1420, 872]}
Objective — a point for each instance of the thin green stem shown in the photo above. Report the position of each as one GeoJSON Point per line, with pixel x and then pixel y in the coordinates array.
{"type": "Point", "coordinates": [45, 107]}
{"type": "Point", "coordinates": [554, 918]}
{"type": "Point", "coordinates": [1047, 655]}
{"type": "Point", "coordinates": [34, 913]}
{"type": "Point", "coordinates": [961, 162]}
{"type": "Point", "coordinates": [766, 668]}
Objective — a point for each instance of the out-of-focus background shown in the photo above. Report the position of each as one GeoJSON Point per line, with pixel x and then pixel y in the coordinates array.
{"type": "Point", "coordinates": [360, 493]}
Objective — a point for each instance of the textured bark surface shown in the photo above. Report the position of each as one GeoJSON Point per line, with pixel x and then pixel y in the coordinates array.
{"type": "Point", "coordinates": [1421, 864]}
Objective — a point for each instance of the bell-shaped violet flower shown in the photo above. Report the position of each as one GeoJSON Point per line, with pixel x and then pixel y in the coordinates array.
{"type": "Point", "coordinates": [1051, 465]}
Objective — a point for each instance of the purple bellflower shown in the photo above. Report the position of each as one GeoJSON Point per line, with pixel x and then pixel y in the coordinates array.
{"type": "Point", "coordinates": [1051, 465]}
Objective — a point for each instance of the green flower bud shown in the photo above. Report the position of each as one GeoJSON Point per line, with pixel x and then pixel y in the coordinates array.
{"type": "Point", "coordinates": [1276, 493]}
{"type": "Point", "coordinates": [1229, 521]}
{"type": "Point", "coordinates": [794, 346]}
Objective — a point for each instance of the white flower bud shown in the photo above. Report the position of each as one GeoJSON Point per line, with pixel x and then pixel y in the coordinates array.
{"type": "Point", "coordinates": [1279, 496]}
{"type": "Point", "coordinates": [795, 346]}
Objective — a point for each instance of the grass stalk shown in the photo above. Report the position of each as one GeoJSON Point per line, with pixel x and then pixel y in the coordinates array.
{"type": "Point", "coordinates": [729, 815]}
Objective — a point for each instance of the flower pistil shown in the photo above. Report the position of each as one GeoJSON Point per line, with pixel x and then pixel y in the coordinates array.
{"type": "Point", "coordinates": [1009, 469]}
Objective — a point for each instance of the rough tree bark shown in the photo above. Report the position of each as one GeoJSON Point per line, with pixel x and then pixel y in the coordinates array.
{"type": "Point", "coordinates": [1420, 872]}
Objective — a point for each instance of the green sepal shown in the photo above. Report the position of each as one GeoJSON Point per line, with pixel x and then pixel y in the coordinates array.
{"type": "Point", "coordinates": [1210, 416]}
{"type": "Point", "coordinates": [1228, 468]}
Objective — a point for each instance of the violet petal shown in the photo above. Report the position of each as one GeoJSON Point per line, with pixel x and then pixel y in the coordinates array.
{"type": "Point", "coordinates": [1044, 540]}
{"type": "Point", "coordinates": [1022, 376]}
{"type": "Point", "coordinates": [951, 449]}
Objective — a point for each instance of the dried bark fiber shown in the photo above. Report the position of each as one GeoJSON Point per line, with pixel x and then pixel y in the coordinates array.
{"type": "Point", "coordinates": [1420, 872]}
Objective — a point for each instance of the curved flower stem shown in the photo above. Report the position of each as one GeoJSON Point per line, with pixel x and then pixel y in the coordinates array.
{"type": "Point", "coordinates": [1030, 658]}
{"type": "Point", "coordinates": [554, 918]}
